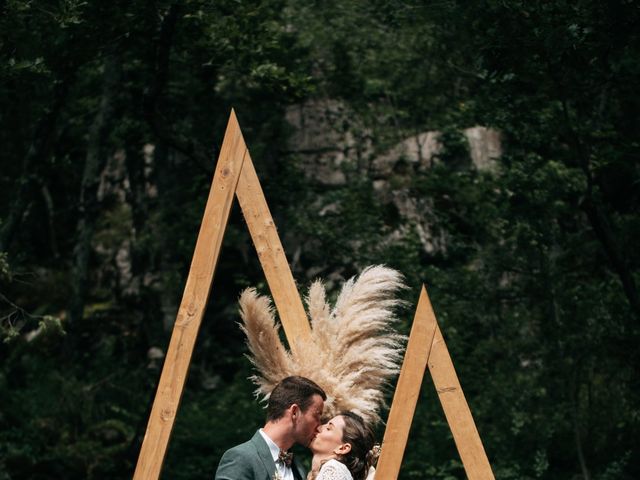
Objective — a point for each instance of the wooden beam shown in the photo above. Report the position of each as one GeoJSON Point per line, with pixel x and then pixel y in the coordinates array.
{"type": "Point", "coordinates": [427, 347]}
{"type": "Point", "coordinates": [194, 301]}
{"type": "Point", "coordinates": [407, 391]}
{"type": "Point", "coordinates": [272, 257]}
{"type": "Point", "coordinates": [475, 461]}
{"type": "Point", "coordinates": [235, 173]}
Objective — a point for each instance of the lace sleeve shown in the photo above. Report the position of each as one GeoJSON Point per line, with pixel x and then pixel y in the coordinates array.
{"type": "Point", "coordinates": [333, 471]}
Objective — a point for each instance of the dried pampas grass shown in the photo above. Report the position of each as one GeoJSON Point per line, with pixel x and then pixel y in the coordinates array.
{"type": "Point", "coordinates": [352, 352]}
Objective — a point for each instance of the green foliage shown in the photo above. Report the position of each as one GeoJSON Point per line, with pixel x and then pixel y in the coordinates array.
{"type": "Point", "coordinates": [531, 266]}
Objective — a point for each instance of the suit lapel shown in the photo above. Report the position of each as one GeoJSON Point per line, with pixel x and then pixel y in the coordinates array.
{"type": "Point", "coordinates": [265, 458]}
{"type": "Point", "coordinates": [264, 454]}
{"type": "Point", "coordinates": [298, 472]}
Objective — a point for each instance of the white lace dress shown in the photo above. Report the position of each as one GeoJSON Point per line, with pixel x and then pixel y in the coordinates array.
{"type": "Point", "coordinates": [334, 470]}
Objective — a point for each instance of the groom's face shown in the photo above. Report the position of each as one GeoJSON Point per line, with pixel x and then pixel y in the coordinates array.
{"type": "Point", "coordinates": [307, 426]}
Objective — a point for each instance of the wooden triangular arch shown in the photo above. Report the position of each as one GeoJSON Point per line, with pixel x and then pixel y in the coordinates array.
{"type": "Point", "coordinates": [236, 175]}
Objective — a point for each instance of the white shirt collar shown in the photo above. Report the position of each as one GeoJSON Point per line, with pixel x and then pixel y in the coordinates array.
{"type": "Point", "coordinates": [285, 472]}
{"type": "Point", "coordinates": [273, 448]}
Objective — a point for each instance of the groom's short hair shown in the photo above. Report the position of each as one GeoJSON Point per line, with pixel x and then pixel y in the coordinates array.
{"type": "Point", "coordinates": [290, 390]}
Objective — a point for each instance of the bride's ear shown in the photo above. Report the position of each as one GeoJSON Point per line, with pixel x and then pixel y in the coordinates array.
{"type": "Point", "coordinates": [343, 449]}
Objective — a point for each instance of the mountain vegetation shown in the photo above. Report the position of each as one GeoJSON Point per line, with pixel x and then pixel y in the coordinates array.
{"type": "Point", "coordinates": [111, 119]}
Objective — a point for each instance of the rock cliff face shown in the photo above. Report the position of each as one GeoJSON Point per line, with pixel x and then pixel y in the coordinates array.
{"type": "Point", "coordinates": [327, 137]}
{"type": "Point", "coordinates": [484, 147]}
{"type": "Point", "coordinates": [327, 140]}
{"type": "Point", "coordinates": [332, 144]}
{"type": "Point", "coordinates": [419, 151]}
{"type": "Point", "coordinates": [334, 149]}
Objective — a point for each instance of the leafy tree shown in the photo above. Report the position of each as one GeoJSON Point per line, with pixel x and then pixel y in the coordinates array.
{"type": "Point", "coordinates": [111, 119]}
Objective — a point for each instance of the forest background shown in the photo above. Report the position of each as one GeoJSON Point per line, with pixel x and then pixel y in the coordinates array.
{"type": "Point", "coordinates": [357, 116]}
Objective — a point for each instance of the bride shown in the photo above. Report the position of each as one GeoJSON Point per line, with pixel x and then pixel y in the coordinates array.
{"type": "Point", "coordinates": [343, 449]}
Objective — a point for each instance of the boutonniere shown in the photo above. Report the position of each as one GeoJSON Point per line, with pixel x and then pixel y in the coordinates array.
{"type": "Point", "coordinates": [277, 476]}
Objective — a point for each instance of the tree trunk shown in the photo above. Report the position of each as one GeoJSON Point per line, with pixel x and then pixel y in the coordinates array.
{"type": "Point", "coordinates": [48, 202]}
{"type": "Point", "coordinates": [96, 158]}
{"type": "Point", "coordinates": [38, 149]}
{"type": "Point", "coordinates": [193, 150]}
{"type": "Point", "coordinates": [575, 397]}
{"type": "Point", "coordinates": [598, 218]}
{"type": "Point", "coordinates": [605, 235]}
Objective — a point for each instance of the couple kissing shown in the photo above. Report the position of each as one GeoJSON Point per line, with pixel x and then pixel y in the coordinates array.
{"type": "Point", "coordinates": [343, 447]}
{"type": "Point", "coordinates": [338, 373]}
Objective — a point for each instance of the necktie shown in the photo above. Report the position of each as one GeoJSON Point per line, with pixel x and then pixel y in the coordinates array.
{"type": "Point", "coordinates": [285, 457]}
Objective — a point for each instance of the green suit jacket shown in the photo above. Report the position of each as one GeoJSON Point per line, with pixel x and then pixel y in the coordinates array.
{"type": "Point", "coordinates": [252, 460]}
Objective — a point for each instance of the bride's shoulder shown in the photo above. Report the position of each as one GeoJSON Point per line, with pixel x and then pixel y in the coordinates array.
{"type": "Point", "coordinates": [334, 470]}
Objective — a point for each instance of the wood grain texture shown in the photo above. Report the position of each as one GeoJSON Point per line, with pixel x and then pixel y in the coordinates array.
{"type": "Point", "coordinates": [407, 391]}
{"type": "Point", "coordinates": [272, 257]}
{"type": "Point", "coordinates": [194, 301]}
{"type": "Point", "coordinates": [456, 409]}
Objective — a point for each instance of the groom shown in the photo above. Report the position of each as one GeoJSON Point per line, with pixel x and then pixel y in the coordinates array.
{"type": "Point", "coordinates": [294, 413]}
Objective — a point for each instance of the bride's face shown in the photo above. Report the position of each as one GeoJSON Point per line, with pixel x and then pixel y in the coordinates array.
{"type": "Point", "coordinates": [328, 441]}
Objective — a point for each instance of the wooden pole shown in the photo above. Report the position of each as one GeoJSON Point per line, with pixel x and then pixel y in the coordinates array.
{"type": "Point", "coordinates": [272, 257]}
{"type": "Point", "coordinates": [407, 391]}
{"type": "Point", "coordinates": [474, 458]}
{"type": "Point", "coordinates": [235, 173]}
{"type": "Point", "coordinates": [194, 302]}
{"type": "Point", "coordinates": [427, 347]}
